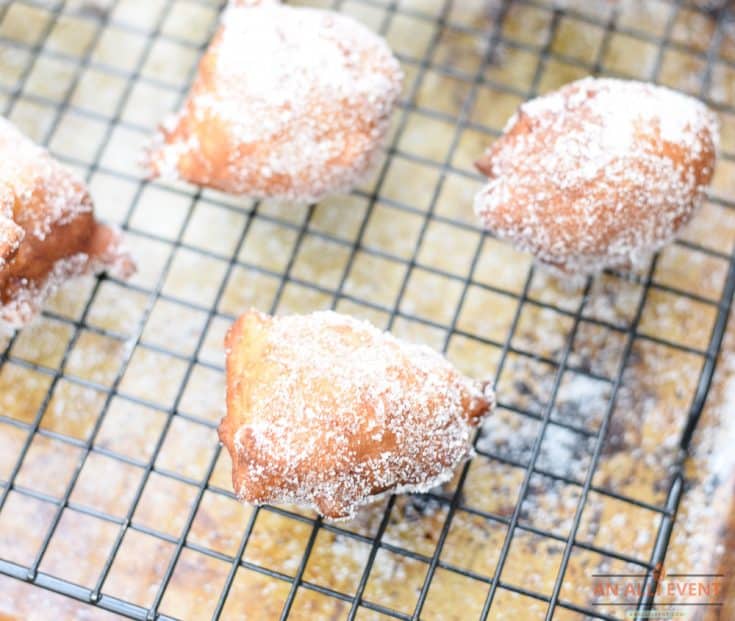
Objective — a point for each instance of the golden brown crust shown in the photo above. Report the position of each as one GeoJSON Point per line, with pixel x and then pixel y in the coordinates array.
{"type": "Point", "coordinates": [328, 411]}
{"type": "Point", "coordinates": [598, 174]}
{"type": "Point", "coordinates": [48, 232]}
{"type": "Point", "coordinates": [306, 122]}
{"type": "Point", "coordinates": [11, 235]}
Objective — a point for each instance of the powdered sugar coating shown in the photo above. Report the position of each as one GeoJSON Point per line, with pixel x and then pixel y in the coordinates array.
{"type": "Point", "coordinates": [25, 169]}
{"type": "Point", "coordinates": [47, 230]}
{"type": "Point", "coordinates": [328, 411]}
{"type": "Point", "coordinates": [292, 103]}
{"type": "Point", "coordinates": [600, 173]}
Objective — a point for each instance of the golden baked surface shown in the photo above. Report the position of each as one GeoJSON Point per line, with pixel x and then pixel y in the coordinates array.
{"type": "Point", "coordinates": [599, 174]}
{"type": "Point", "coordinates": [48, 233]}
{"type": "Point", "coordinates": [290, 103]}
{"type": "Point", "coordinates": [328, 411]}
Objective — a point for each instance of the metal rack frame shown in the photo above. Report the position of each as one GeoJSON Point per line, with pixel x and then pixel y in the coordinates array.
{"type": "Point", "coordinates": [96, 595]}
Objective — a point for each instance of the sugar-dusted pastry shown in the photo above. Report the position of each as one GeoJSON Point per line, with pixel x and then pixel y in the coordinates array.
{"type": "Point", "coordinates": [327, 411]}
{"type": "Point", "coordinates": [48, 232]}
{"type": "Point", "coordinates": [600, 173]}
{"type": "Point", "coordinates": [290, 103]}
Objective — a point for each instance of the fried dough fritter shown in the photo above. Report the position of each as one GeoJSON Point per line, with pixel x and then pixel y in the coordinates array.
{"type": "Point", "coordinates": [600, 173]}
{"type": "Point", "coordinates": [328, 411]}
{"type": "Point", "coordinates": [289, 103]}
{"type": "Point", "coordinates": [48, 233]}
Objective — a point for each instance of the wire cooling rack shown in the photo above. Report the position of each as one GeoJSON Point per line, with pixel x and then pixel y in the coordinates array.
{"type": "Point", "coordinates": [90, 78]}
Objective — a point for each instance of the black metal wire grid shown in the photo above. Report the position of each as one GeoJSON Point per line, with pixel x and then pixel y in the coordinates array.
{"type": "Point", "coordinates": [442, 17]}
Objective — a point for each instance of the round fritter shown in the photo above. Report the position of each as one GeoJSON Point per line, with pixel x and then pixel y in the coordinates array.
{"type": "Point", "coordinates": [289, 103]}
{"type": "Point", "coordinates": [328, 411]}
{"type": "Point", "coordinates": [48, 232]}
{"type": "Point", "coordinates": [600, 173]}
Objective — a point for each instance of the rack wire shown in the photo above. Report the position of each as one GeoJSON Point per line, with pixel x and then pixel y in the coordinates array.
{"type": "Point", "coordinates": [437, 20]}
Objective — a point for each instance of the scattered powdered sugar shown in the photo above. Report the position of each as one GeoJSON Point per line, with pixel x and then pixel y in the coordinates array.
{"type": "Point", "coordinates": [600, 173]}
{"type": "Point", "coordinates": [721, 461]}
{"type": "Point", "coordinates": [292, 103]}
{"type": "Point", "coordinates": [329, 411]}
{"type": "Point", "coordinates": [37, 196]}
